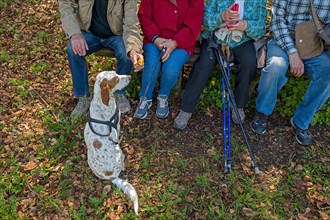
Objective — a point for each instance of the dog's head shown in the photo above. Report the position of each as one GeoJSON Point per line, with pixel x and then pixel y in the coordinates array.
{"type": "Point", "coordinates": [107, 82]}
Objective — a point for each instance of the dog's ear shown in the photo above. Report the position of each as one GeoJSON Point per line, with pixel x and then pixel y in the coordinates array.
{"type": "Point", "coordinates": [106, 87]}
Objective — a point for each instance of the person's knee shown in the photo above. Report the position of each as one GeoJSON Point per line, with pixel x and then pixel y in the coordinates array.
{"type": "Point", "coordinates": [276, 67]}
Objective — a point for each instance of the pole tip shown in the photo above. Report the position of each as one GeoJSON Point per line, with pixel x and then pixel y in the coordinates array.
{"type": "Point", "coordinates": [256, 170]}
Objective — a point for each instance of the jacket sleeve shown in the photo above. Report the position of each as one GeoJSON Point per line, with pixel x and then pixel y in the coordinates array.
{"type": "Point", "coordinates": [192, 25]}
{"type": "Point", "coordinates": [148, 25]}
{"type": "Point", "coordinates": [131, 33]}
{"type": "Point", "coordinates": [212, 14]}
{"type": "Point", "coordinates": [68, 10]}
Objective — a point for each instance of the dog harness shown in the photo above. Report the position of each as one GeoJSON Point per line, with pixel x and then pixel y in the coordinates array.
{"type": "Point", "coordinates": [112, 123]}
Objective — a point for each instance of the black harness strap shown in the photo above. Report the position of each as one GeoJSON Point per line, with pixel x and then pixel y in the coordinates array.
{"type": "Point", "coordinates": [112, 123]}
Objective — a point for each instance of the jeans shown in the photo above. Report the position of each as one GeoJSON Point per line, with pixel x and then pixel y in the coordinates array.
{"type": "Point", "coordinates": [273, 78]}
{"type": "Point", "coordinates": [78, 64]}
{"type": "Point", "coordinates": [170, 70]}
{"type": "Point", "coordinates": [246, 64]}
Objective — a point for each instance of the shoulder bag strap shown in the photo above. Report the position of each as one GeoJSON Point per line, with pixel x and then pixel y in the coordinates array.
{"type": "Point", "coordinates": [315, 18]}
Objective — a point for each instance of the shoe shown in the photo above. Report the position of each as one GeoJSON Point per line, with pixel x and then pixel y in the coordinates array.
{"type": "Point", "coordinates": [303, 136]}
{"type": "Point", "coordinates": [259, 123]}
{"type": "Point", "coordinates": [162, 110]}
{"type": "Point", "coordinates": [142, 108]}
{"type": "Point", "coordinates": [123, 103]}
{"type": "Point", "coordinates": [82, 106]}
{"type": "Point", "coordinates": [181, 121]}
{"type": "Point", "coordinates": [234, 116]}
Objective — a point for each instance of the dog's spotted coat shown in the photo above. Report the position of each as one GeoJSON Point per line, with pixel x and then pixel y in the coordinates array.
{"type": "Point", "coordinates": [105, 157]}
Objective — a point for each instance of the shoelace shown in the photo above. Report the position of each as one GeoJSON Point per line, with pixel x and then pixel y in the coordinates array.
{"type": "Point", "coordinates": [183, 116]}
{"type": "Point", "coordinates": [143, 104]}
{"type": "Point", "coordinates": [162, 102]}
{"type": "Point", "coordinates": [261, 117]}
{"type": "Point", "coordinates": [303, 132]}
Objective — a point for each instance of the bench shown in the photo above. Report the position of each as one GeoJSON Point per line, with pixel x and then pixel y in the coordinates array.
{"type": "Point", "coordinates": [107, 52]}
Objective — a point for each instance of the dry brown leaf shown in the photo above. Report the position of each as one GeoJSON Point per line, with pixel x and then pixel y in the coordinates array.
{"type": "Point", "coordinates": [30, 166]}
{"type": "Point", "coordinates": [301, 216]}
{"type": "Point", "coordinates": [324, 216]}
{"type": "Point", "coordinates": [211, 152]}
{"type": "Point", "coordinates": [272, 187]}
{"type": "Point", "coordinates": [248, 212]}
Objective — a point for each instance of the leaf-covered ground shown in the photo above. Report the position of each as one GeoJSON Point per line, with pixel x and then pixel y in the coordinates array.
{"type": "Point", "coordinates": [178, 174]}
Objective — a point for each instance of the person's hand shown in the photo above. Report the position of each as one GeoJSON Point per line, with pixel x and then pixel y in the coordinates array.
{"type": "Point", "coordinates": [296, 65]}
{"type": "Point", "coordinates": [170, 46]}
{"type": "Point", "coordinates": [229, 15]}
{"type": "Point", "coordinates": [239, 26]}
{"type": "Point", "coordinates": [137, 60]}
{"type": "Point", "coordinates": [159, 41]}
{"type": "Point", "coordinates": [79, 45]}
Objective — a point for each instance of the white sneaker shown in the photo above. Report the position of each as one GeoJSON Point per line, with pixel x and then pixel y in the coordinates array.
{"type": "Point", "coordinates": [234, 116]}
{"type": "Point", "coordinates": [123, 103]}
{"type": "Point", "coordinates": [82, 106]}
{"type": "Point", "coordinates": [181, 121]}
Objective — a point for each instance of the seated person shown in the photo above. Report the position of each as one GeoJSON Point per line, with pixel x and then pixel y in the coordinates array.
{"type": "Point", "coordinates": [176, 26]}
{"type": "Point", "coordinates": [248, 24]}
{"type": "Point", "coordinates": [91, 30]}
{"type": "Point", "coordinates": [281, 54]}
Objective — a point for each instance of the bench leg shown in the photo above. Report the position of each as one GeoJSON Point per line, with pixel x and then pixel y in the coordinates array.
{"type": "Point", "coordinates": [178, 86]}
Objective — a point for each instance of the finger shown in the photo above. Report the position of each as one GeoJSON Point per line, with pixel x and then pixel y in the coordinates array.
{"type": "Point", "coordinates": [165, 57]}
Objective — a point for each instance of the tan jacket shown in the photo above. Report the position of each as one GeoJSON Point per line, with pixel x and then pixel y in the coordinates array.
{"type": "Point", "coordinates": [76, 15]}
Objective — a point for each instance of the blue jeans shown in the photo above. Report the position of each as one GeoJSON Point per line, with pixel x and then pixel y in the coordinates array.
{"type": "Point", "coordinates": [273, 78]}
{"type": "Point", "coordinates": [78, 64]}
{"type": "Point", "coordinates": [170, 70]}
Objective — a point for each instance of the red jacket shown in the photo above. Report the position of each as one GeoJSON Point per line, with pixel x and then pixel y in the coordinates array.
{"type": "Point", "coordinates": [179, 20]}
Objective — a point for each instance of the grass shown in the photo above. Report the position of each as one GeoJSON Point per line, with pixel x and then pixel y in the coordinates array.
{"type": "Point", "coordinates": [43, 166]}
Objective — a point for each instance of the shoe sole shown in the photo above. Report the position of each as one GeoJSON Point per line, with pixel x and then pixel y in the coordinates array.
{"type": "Point", "coordinates": [162, 116]}
{"type": "Point", "coordinates": [179, 127]}
{"type": "Point", "coordinates": [144, 116]}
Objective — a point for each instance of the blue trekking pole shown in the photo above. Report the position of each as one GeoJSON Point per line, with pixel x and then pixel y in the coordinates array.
{"type": "Point", "coordinates": [226, 123]}
{"type": "Point", "coordinates": [222, 61]}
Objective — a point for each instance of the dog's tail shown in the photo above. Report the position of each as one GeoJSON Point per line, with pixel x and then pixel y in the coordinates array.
{"type": "Point", "coordinates": [129, 190]}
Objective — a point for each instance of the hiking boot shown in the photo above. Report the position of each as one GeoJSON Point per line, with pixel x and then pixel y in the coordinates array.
{"type": "Point", "coordinates": [303, 136]}
{"type": "Point", "coordinates": [181, 121]}
{"type": "Point", "coordinates": [123, 103]}
{"type": "Point", "coordinates": [234, 116]}
{"type": "Point", "coordinates": [259, 123]}
{"type": "Point", "coordinates": [82, 105]}
{"type": "Point", "coordinates": [142, 108]}
{"type": "Point", "coordinates": [162, 110]}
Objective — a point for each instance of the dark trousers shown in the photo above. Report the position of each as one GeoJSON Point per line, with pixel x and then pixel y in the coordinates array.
{"type": "Point", "coordinates": [246, 65]}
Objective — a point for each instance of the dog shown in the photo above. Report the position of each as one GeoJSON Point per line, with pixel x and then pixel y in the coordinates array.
{"type": "Point", "coordinates": [101, 133]}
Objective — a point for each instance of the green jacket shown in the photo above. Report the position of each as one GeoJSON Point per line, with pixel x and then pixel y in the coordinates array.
{"type": "Point", "coordinates": [76, 15]}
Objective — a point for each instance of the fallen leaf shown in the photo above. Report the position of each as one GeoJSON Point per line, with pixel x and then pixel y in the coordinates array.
{"type": "Point", "coordinates": [248, 212]}
{"type": "Point", "coordinates": [30, 166]}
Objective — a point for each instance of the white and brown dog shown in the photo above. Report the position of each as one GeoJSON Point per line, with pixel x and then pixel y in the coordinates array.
{"type": "Point", "coordinates": [105, 157]}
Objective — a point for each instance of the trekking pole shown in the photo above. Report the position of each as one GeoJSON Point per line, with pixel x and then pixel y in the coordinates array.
{"type": "Point", "coordinates": [232, 99]}
{"type": "Point", "coordinates": [226, 124]}
{"type": "Point", "coordinates": [162, 52]}
{"type": "Point", "coordinates": [221, 61]}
